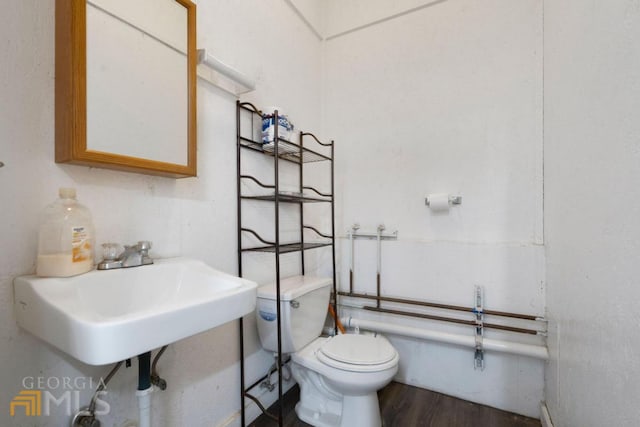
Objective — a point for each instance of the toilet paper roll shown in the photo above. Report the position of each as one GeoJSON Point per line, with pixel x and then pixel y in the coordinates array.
{"type": "Point", "coordinates": [438, 202]}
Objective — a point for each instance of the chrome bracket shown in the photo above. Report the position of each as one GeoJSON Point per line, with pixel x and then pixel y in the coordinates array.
{"type": "Point", "coordinates": [453, 200]}
{"type": "Point", "coordinates": [479, 312]}
{"type": "Point", "coordinates": [371, 235]}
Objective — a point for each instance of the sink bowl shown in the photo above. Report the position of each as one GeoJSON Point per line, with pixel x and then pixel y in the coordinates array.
{"type": "Point", "coordinates": [107, 316]}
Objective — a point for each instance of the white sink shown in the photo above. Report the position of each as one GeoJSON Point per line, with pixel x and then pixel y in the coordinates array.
{"type": "Point", "coordinates": [107, 316]}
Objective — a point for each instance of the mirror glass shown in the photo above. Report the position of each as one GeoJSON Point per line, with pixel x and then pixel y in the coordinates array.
{"type": "Point", "coordinates": [137, 97]}
{"type": "Point", "coordinates": [125, 85]}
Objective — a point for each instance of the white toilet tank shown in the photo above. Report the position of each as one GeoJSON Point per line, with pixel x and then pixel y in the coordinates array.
{"type": "Point", "coordinates": [304, 301]}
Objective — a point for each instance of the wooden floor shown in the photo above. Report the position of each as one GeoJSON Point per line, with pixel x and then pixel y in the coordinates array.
{"type": "Point", "coordinates": [406, 406]}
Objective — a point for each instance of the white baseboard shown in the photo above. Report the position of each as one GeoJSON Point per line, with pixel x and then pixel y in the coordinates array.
{"type": "Point", "coordinates": [545, 418]}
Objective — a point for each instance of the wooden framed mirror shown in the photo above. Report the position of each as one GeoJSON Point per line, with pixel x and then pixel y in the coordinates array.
{"type": "Point", "coordinates": [126, 85]}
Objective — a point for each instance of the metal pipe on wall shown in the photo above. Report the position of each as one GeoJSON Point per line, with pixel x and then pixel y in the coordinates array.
{"type": "Point", "coordinates": [379, 263]}
{"type": "Point", "coordinates": [354, 228]}
{"type": "Point", "coordinates": [454, 320]}
{"type": "Point", "coordinates": [438, 305]}
{"type": "Point", "coordinates": [530, 350]}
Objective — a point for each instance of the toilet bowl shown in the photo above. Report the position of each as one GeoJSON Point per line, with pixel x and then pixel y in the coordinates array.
{"type": "Point", "coordinates": [338, 376]}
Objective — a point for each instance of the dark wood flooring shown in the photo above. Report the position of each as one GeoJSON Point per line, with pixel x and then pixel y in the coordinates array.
{"type": "Point", "coordinates": [406, 406]}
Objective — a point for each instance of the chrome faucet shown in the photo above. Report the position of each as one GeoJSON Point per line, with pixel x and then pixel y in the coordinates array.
{"type": "Point", "coordinates": [131, 256]}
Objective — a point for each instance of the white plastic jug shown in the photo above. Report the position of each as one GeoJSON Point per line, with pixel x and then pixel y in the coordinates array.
{"type": "Point", "coordinates": [65, 238]}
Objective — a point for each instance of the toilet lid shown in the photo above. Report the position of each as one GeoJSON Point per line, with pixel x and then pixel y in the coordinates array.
{"type": "Point", "coordinates": [359, 349]}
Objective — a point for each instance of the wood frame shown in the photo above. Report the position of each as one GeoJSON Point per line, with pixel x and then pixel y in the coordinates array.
{"type": "Point", "coordinates": [71, 98]}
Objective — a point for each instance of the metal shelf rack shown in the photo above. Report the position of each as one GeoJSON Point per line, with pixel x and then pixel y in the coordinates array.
{"type": "Point", "coordinates": [299, 154]}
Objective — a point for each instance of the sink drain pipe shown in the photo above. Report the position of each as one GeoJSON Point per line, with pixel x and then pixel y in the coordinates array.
{"type": "Point", "coordinates": [144, 390]}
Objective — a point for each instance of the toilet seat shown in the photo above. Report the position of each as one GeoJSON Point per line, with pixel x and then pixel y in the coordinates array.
{"type": "Point", "coordinates": [358, 353]}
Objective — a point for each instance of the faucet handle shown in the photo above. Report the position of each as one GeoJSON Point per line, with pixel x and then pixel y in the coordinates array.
{"type": "Point", "coordinates": [110, 251]}
{"type": "Point", "coordinates": [144, 246]}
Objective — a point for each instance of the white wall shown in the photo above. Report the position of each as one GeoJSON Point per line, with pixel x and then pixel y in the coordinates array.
{"type": "Point", "coordinates": [592, 204]}
{"type": "Point", "coordinates": [447, 98]}
{"type": "Point", "coordinates": [342, 16]}
{"type": "Point", "coordinates": [313, 13]}
{"type": "Point", "coordinates": [193, 217]}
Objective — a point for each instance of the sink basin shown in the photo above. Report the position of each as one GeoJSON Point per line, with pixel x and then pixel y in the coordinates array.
{"type": "Point", "coordinates": [103, 317]}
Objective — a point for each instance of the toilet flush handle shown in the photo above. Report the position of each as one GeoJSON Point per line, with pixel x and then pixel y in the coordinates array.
{"type": "Point", "coordinates": [294, 304]}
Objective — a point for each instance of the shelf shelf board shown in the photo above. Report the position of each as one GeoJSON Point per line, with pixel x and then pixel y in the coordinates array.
{"type": "Point", "coordinates": [287, 150]}
{"type": "Point", "coordinates": [251, 144]}
{"type": "Point", "coordinates": [288, 198]}
{"type": "Point", "coordinates": [288, 247]}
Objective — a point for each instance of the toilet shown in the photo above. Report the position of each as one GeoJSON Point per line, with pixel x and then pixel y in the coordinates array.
{"type": "Point", "coordinates": [338, 376]}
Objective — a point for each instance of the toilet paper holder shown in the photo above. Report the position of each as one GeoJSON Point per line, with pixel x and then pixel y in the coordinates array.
{"type": "Point", "coordinates": [453, 200]}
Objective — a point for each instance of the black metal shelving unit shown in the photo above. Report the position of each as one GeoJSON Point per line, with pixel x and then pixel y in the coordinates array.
{"type": "Point", "coordinates": [299, 154]}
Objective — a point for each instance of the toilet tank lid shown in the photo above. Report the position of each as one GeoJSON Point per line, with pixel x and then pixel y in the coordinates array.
{"type": "Point", "coordinates": [293, 287]}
